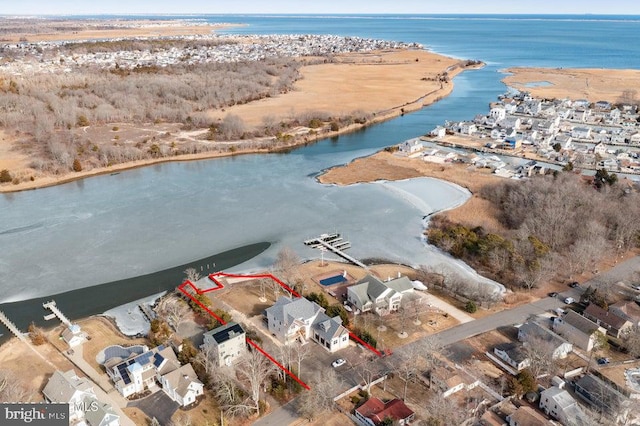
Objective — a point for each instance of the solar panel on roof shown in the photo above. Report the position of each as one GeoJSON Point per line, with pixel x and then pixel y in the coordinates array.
{"type": "Point", "coordinates": [126, 379]}
{"type": "Point", "coordinates": [158, 360]}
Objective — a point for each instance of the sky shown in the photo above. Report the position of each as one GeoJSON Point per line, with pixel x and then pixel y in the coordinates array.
{"type": "Point", "coordinates": [81, 7]}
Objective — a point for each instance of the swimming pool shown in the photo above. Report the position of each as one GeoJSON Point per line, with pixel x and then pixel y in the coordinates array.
{"type": "Point", "coordinates": [333, 280]}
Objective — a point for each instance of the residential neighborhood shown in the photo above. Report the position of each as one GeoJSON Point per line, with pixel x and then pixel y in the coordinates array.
{"type": "Point", "coordinates": [559, 133]}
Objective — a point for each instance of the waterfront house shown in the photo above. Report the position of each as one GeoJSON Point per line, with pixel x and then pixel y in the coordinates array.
{"type": "Point", "coordinates": [226, 343]}
{"type": "Point", "coordinates": [615, 325]}
{"type": "Point", "coordinates": [182, 385]}
{"type": "Point", "coordinates": [438, 132]}
{"type": "Point", "coordinates": [133, 373]}
{"type": "Point", "coordinates": [581, 103]}
{"type": "Point", "coordinates": [411, 147]}
{"type": "Point", "coordinates": [577, 329]}
{"type": "Point", "coordinates": [68, 388]}
{"type": "Point", "coordinates": [383, 297]}
{"type": "Point", "coordinates": [559, 404]}
{"type": "Point", "coordinates": [513, 354]}
{"type": "Point", "coordinates": [73, 335]}
{"type": "Point", "coordinates": [536, 333]}
{"type": "Point", "coordinates": [374, 412]}
{"type": "Point", "coordinates": [497, 113]}
{"type": "Point", "coordinates": [291, 320]}
{"type": "Point", "coordinates": [602, 106]}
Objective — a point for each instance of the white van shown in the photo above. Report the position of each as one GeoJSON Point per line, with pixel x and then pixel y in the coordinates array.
{"type": "Point", "coordinates": [569, 300]}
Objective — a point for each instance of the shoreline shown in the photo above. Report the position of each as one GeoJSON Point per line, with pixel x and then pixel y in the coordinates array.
{"type": "Point", "coordinates": [422, 101]}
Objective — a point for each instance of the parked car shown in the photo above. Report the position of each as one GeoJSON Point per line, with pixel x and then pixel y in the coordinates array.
{"type": "Point", "coordinates": [636, 287]}
{"type": "Point", "coordinates": [553, 294]}
{"type": "Point", "coordinates": [569, 300]}
{"type": "Point", "coordinates": [574, 284]}
{"type": "Point", "coordinates": [603, 361]}
{"type": "Point", "coordinates": [338, 362]}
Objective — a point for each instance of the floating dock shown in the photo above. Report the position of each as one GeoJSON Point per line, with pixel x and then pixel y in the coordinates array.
{"type": "Point", "coordinates": [335, 243]}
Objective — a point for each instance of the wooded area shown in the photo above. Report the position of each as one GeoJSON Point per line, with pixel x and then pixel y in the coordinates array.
{"type": "Point", "coordinates": [554, 226]}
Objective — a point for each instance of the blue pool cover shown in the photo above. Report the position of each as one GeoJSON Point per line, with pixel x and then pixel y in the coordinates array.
{"type": "Point", "coordinates": [333, 280]}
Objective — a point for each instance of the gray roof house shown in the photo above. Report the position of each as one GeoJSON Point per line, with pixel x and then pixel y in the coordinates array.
{"type": "Point", "coordinates": [615, 324]}
{"type": "Point", "coordinates": [577, 329]}
{"type": "Point", "coordinates": [513, 354]}
{"type": "Point", "coordinates": [383, 297]}
{"type": "Point", "coordinates": [300, 319]}
{"type": "Point", "coordinates": [533, 331]}
{"type": "Point", "coordinates": [182, 385]}
{"type": "Point", "coordinates": [598, 394]}
{"type": "Point", "coordinates": [78, 392]}
{"type": "Point", "coordinates": [559, 404]}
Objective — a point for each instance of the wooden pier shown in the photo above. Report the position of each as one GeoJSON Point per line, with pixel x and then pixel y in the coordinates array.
{"type": "Point", "coordinates": [147, 311]}
{"type": "Point", "coordinates": [56, 313]}
{"type": "Point", "coordinates": [335, 243]}
{"type": "Point", "coordinates": [12, 327]}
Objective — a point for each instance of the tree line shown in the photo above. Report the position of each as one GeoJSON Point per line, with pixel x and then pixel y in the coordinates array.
{"type": "Point", "coordinates": [553, 225]}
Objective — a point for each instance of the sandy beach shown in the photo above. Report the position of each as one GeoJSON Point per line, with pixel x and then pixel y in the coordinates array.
{"type": "Point", "coordinates": [592, 84]}
{"type": "Point", "coordinates": [381, 84]}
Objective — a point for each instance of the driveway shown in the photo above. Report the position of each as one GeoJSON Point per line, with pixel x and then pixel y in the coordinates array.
{"type": "Point", "coordinates": [157, 405]}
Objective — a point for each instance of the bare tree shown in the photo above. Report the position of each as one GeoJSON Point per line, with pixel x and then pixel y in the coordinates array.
{"type": "Point", "coordinates": [255, 368]}
{"type": "Point", "coordinates": [540, 354]}
{"type": "Point", "coordinates": [444, 411]}
{"type": "Point", "coordinates": [368, 371]}
{"type": "Point", "coordinates": [408, 366]}
{"type": "Point", "coordinates": [192, 275]}
{"type": "Point", "coordinates": [300, 352]}
{"type": "Point", "coordinates": [172, 310]}
{"type": "Point", "coordinates": [631, 341]}
{"type": "Point", "coordinates": [319, 399]}
{"type": "Point", "coordinates": [600, 343]}
{"type": "Point", "coordinates": [229, 394]}
{"type": "Point", "coordinates": [287, 266]}
{"type": "Point", "coordinates": [207, 359]}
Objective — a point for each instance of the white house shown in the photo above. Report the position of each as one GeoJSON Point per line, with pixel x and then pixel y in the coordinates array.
{"type": "Point", "coordinates": [559, 404]}
{"type": "Point", "coordinates": [226, 343]}
{"type": "Point", "coordinates": [133, 373]}
{"type": "Point", "coordinates": [497, 113]}
{"type": "Point", "coordinates": [411, 147]}
{"type": "Point", "coordinates": [299, 319]}
{"type": "Point", "coordinates": [383, 297]}
{"type": "Point", "coordinates": [577, 329]}
{"type": "Point", "coordinates": [73, 335]}
{"type": "Point", "coordinates": [467, 128]}
{"type": "Point", "coordinates": [513, 354]}
{"type": "Point", "coordinates": [535, 333]}
{"type": "Point", "coordinates": [438, 132]}
{"type": "Point", "coordinates": [182, 385]}
{"type": "Point", "coordinates": [68, 388]}
{"type": "Point", "coordinates": [600, 149]}
{"type": "Point", "coordinates": [581, 132]}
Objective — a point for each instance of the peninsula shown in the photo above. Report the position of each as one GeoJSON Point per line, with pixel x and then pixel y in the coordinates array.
{"type": "Point", "coordinates": [217, 95]}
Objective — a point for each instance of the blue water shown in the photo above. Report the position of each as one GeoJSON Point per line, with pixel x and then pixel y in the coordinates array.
{"type": "Point", "coordinates": [112, 227]}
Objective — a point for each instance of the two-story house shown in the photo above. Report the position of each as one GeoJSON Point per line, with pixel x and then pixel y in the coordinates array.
{"type": "Point", "coordinates": [374, 412]}
{"type": "Point", "coordinates": [370, 293]}
{"type": "Point", "coordinates": [299, 319]}
{"type": "Point", "coordinates": [182, 385]}
{"type": "Point", "coordinates": [226, 343]}
{"type": "Point", "coordinates": [615, 324]}
{"type": "Point", "coordinates": [534, 332]}
{"type": "Point", "coordinates": [577, 329]}
{"type": "Point", "coordinates": [68, 388]}
{"type": "Point", "coordinates": [559, 404]}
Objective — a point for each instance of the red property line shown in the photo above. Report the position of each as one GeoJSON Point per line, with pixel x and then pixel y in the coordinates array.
{"type": "Point", "coordinates": [223, 322]}
{"type": "Point", "coordinates": [365, 344]}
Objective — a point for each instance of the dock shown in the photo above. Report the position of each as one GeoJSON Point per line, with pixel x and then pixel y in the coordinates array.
{"type": "Point", "coordinates": [147, 312]}
{"type": "Point", "coordinates": [12, 327]}
{"type": "Point", "coordinates": [335, 243]}
{"type": "Point", "coordinates": [56, 313]}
